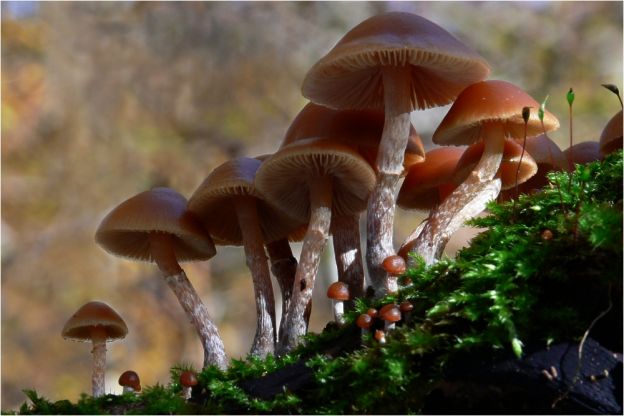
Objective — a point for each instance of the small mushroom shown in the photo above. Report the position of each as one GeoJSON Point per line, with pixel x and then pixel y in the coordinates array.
{"type": "Point", "coordinates": [130, 381]}
{"type": "Point", "coordinates": [338, 292]}
{"type": "Point", "coordinates": [584, 152]}
{"type": "Point", "coordinates": [188, 380]}
{"type": "Point", "coordinates": [611, 136]}
{"type": "Point", "coordinates": [380, 336]}
{"type": "Point", "coordinates": [372, 312]}
{"type": "Point", "coordinates": [364, 322]}
{"type": "Point", "coordinates": [390, 314]}
{"type": "Point", "coordinates": [98, 323]}
{"type": "Point", "coordinates": [406, 307]}
{"type": "Point", "coordinates": [394, 266]}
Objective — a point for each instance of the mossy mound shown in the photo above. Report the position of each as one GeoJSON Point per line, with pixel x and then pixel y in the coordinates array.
{"type": "Point", "coordinates": [547, 270]}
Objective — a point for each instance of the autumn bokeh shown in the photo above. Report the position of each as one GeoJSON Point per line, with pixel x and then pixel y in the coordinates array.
{"type": "Point", "coordinates": [103, 100]}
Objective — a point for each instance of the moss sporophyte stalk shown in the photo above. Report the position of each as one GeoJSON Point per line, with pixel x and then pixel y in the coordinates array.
{"type": "Point", "coordinates": [539, 275]}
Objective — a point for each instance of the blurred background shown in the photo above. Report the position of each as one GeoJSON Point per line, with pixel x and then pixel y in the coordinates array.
{"type": "Point", "coordinates": [103, 100]}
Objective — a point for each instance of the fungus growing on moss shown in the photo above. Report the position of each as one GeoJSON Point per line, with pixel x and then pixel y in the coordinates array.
{"type": "Point", "coordinates": [98, 323]}
{"type": "Point", "coordinates": [338, 292]}
{"type": "Point", "coordinates": [394, 266]}
{"type": "Point", "coordinates": [156, 226]}
{"type": "Point", "coordinates": [130, 381]}
{"type": "Point", "coordinates": [611, 136]}
{"type": "Point", "coordinates": [188, 380]}
{"type": "Point", "coordinates": [396, 61]}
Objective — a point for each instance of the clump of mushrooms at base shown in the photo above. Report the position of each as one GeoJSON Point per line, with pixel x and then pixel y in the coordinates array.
{"type": "Point", "coordinates": [345, 156]}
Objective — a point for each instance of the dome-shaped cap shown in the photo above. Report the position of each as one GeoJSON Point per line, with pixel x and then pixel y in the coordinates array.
{"type": "Point", "coordinates": [507, 169]}
{"type": "Point", "coordinates": [491, 102]}
{"type": "Point", "coordinates": [611, 136]}
{"type": "Point", "coordinates": [126, 230]}
{"type": "Point", "coordinates": [420, 187]}
{"type": "Point", "coordinates": [360, 129]}
{"type": "Point", "coordinates": [545, 152]}
{"type": "Point", "coordinates": [390, 313]}
{"type": "Point", "coordinates": [583, 153]}
{"type": "Point", "coordinates": [94, 315]}
{"type": "Point", "coordinates": [349, 76]}
{"type": "Point", "coordinates": [338, 291]}
{"type": "Point", "coordinates": [213, 203]}
{"type": "Point", "coordinates": [285, 177]}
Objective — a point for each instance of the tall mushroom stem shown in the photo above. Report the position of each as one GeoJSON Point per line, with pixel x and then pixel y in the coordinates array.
{"type": "Point", "coordinates": [468, 199]}
{"type": "Point", "coordinates": [284, 268]}
{"type": "Point", "coordinates": [257, 262]}
{"type": "Point", "coordinates": [381, 205]}
{"type": "Point", "coordinates": [98, 337]}
{"type": "Point", "coordinates": [348, 254]}
{"type": "Point", "coordinates": [313, 244]}
{"type": "Point", "coordinates": [162, 251]}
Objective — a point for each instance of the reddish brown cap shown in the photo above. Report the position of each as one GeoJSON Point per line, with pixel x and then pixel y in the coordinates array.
{"type": "Point", "coordinates": [491, 102]}
{"type": "Point", "coordinates": [508, 167]}
{"type": "Point", "coordinates": [364, 321]}
{"type": "Point", "coordinates": [349, 76]}
{"type": "Point", "coordinates": [611, 137]}
{"type": "Point", "coordinates": [421, 187]}
{"type": "Point", "coordinates": [285, 177]}
{"type": "Point", "coordinates": [545, 152]}
{"type": "Point", "coordinates": [130, 379]}
{"type": "Point", "coordinates": [390, 313]}
{"type": "Point", "coordinates": [380, 336]}
{"type": "Point", "coordinates": [372, 312]}
{"type": "Point", "coordinates": [360, 129]}
{"type": "Point", "coordinates": [188, 379]}
{"type": "Point", "coordinates": [126, 230]}
{"type": "Point", "coordinates": [213, 203]}
{"type": "Point", "coordinates": [91, 316]}
{"type": "Point", "coordinates": [406, 306]}
{"type": "Point", "coordinates": [338, 291]}
{"type": "Point", "coordinates": [394, 265]}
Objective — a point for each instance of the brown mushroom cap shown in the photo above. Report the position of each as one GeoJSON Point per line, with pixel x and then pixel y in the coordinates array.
{"type": "Point", "coordinates": [188, 379]}
{"type": "Point", "coordinates": [338, 291]}
{"type": "Point", "coordinates": [490, 102]}
{"type": "Point", "coordinates": [364, 321]}
{"type": "Point", "coordinates": [94, 315]}
{"type": "Point", "coordinates": [394, 265]}
{"type": "Point", "coordinates": [213, 203]}
{"type": "Point", "coordinates": [508, 167]}
{"type": "Point", "coordinates": [545, 152]}
{"type": "Point", "coordinates": [284, 178]}
{"type": "Point", "coordinates": [406, 306]}
{"type": "Point", "coordinates": [611, 136]}
{"type": "Point", "coordinates": [349, 76]}
{"type": "Point", "coordinates": [130, 379]}
{"type": "Point", "coordinates": [420, 187]}
{"type": "Point", "coordinates": [360, 129]}
{"type": "Point", "coordinates": [584, 152]}
{"type": "Point", "coordinates": [126, 230]}
{"type": "Point", "coordinates": [390, 313]}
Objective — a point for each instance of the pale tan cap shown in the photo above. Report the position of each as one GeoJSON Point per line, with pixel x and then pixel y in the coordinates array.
{"type": "Point", "coordinates": [545, 152]}
{"type": "Point", "coordinates": [213, 203]}
{"type": "Point", "coordinates": [94, 315]}
{"type": "Point", "coordinates": [349, 76]}
{"type": "Point", "coordinates": [491, 102]}
{"type": "Point", "coordinates": [126, 230]}
{"type": "Point", "coordinates": [284, 178]}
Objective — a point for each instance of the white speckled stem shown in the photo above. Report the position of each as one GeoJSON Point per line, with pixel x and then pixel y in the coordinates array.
{"type": "Point", "coordinates": [381, 205]}
{"type": "Point", "coordinates": [196, 311]}
{"type": "Point", "coordinates": [187, 392]}
{"type": "Point", "coordinates": [98, 337]}
{"type": "Point", "coordinates": [348, 254]}
{"type": "Point", "coordinates": [466, 201]}
{"type": "Point", "coordinates": [338, 307]}
{"type": "Point", "coordinates": [257, 261]}
{"type": "Point", "coordinates": [313, 245]}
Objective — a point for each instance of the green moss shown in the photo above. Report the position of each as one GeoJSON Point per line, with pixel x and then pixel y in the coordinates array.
{"type": "Point", "coordinates": [526, 280]}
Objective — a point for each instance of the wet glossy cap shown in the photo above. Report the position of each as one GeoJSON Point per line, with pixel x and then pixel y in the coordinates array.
{"type": "Point", "coordinates": [349, 76]}
{"type": "Point", "coordinates": [94, 315]}
{"type": "Point", "coordinates": [491, 102]}
{"type": "Point", "coordinates": [188, 379]}
{"type": "Point", "coordinates": [130, 379]}
{"type": "Point", "coordinates": [125, 231]}
{"type": "Point", "coordinates": [364, 321]}
{"type": "Point", "coordinates": [390, 313]}
{"type": "Point", "coordinates": [338, 291]}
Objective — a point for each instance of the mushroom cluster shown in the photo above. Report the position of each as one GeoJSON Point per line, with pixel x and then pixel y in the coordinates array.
{"type": "Point", "coordinates": [345, 154]}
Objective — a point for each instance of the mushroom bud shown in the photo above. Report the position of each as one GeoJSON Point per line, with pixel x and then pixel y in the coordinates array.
{"type": "Point", "coordinates": [406, 309]}
{"type": "Point", "coordinates": [188, 380]}
{"type": "Point", "coordinates": [380, 336]}
{"type": "Point", "coordinates": [394, 266]}
{"type": "Point", "coordinates": [130, 382]}
{"type": "Point", "coordinates": [338, 292]}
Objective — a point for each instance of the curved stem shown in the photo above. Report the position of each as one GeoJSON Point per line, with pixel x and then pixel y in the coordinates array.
{"type": "Point", "coordinates": [381, 205]}
{"type": "Point", "coordinates": [348, 254]}
{"type": "Point", "coordinates": [162, 251]}
{"type": "Point", "coordinates": [313, 245]}
{"type": "Point", "coordinates": [257, 261]}
{"type": "Point", "coordinates": [468, 200]}
{"type": "Point", "coordinates": [98, 337]}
